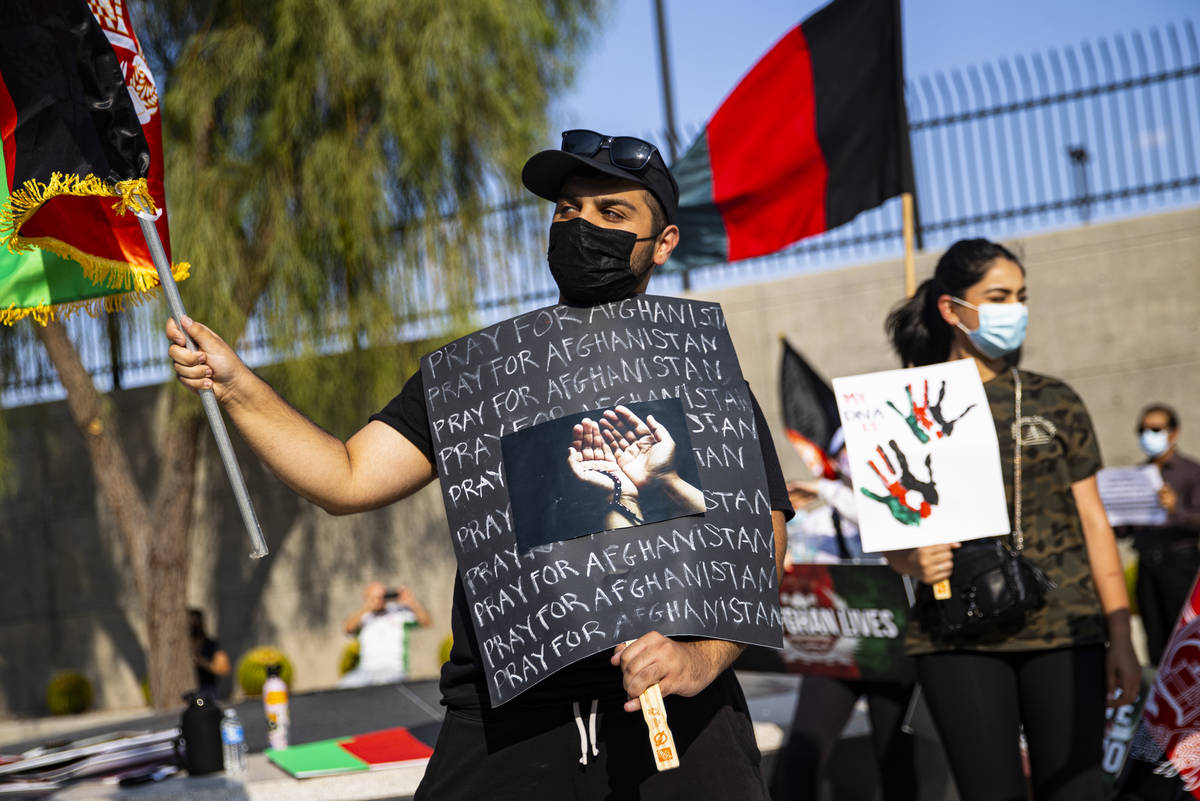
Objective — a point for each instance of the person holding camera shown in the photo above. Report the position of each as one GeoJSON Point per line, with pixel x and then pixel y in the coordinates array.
{"type": "Point", "coordinates": [1049, 669]}
{"type": "Point", "coordinates": [382, 626]}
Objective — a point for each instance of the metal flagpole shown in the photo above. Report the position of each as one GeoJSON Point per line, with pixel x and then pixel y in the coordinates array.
{"type": "Point", "coordinates": [668, 91]}
{"type": "Point", "coordinates": [207, 399]}
{"type": "Point", "coordinates": [668, 95]}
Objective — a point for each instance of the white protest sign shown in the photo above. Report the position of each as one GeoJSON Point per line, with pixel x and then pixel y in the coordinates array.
{"type": "Point", "coordinates": [1130, 495]}
{"type": "Point", "coordinates": [923, 454]}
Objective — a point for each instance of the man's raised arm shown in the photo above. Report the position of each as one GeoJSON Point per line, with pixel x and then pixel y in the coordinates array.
{"type": "Point", "coordinates": [376, 466]}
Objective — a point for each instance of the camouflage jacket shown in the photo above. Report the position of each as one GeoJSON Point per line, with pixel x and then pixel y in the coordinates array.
{"type": "Point", "coordinates": [1058, 448]}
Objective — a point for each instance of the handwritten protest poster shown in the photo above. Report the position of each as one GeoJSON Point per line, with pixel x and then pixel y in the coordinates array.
{"type": "Point", "coordinates": [602, 478]}
{"type": "Point", "coordinates": [924, 456]}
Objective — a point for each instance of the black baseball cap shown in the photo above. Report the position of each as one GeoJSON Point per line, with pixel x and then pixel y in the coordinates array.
{"type": "Point", "coordinates": [545, 172]}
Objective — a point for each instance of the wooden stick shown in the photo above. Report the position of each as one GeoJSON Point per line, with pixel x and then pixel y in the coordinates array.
{"type": "Point", "coordinates": [909, 226]}
{"type": "Point", "coordinates": [941, 590]}
{"type": "Point", "coordinates": [662, 742]}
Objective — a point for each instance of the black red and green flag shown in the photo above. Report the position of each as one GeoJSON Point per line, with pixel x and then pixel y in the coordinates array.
{"type": "Point", "coordinates": [810, 413]}
{"type": "Point", "coordinates": [815, 133]}
{"type": "Point", "coordinates": [82, 145]}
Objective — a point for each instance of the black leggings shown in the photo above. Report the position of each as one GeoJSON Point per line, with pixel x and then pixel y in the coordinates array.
{"type": "Point", "coordinates": [822, 709]}
{"type": "Point", "coordinates": [979, 701]}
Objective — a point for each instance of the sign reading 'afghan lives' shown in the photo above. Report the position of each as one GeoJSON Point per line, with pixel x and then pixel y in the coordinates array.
{"type": "Point", "coordinates": [539, 608]}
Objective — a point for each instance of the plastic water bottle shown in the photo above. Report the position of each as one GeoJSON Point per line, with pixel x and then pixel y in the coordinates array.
{"type": "Point", "coordinates": [275, 705]}
{"type": "Point", "coordinates": [233, 744]}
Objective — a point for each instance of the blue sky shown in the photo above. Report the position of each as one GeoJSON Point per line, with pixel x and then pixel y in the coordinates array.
{"type": "Point", "coordinates": [714, 42]}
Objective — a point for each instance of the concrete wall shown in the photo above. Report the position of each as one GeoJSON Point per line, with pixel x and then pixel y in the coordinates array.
{"type": "Point", "coordinates": [1113, 309]}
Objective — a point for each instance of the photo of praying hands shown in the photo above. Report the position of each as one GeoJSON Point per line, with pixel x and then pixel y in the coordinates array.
{"type": "Point", "coordinates": [600, 470]}
{"type": "Point", "coordinates": [592, 461]}
{"type": "Point", "coordinates": [635, 462]}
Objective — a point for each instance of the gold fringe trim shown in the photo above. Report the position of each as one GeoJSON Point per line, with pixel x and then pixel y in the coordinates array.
{"type": "Point", "coordinates": [93, 306]}
{"type": "Point", "coordinates": [108, 273]}
{"type": "Point", "coordinates": [23, 203]}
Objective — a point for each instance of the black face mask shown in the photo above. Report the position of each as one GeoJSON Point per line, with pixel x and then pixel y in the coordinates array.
{"type": "Point", "coordinates": [591, 264]}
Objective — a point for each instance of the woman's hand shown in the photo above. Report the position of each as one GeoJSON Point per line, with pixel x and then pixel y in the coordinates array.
{"type": "Point", "coordinates": [934, 563]}
{"type": "Point", "coordinates": [1123, 672]}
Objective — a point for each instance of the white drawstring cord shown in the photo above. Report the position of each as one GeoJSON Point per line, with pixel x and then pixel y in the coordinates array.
{"type": "Point", "coordinates": [592, 726]}
{"type": "Point", "coordinates": [585, 732]}
{"type": "Point", "coordinates": [583, 743]}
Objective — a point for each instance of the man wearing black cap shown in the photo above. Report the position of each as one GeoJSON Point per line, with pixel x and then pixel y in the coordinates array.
{"type": "Point", "coordinates": [578, 733]}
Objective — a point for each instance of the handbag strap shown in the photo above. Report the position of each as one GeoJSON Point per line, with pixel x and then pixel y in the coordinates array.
{"type": "Point", "coordinates": [1018, 536]}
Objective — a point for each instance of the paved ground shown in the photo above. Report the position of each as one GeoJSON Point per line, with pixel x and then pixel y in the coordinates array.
{"type": "Point", "coordinates": [336, 713]}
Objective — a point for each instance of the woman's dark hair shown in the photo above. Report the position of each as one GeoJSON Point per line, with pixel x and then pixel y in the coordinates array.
{"type": "Point", "coordinates": [918, 333]}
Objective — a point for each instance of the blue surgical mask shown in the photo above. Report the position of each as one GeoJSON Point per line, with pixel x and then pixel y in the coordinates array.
{"type": "Point", "coordinates": [1001, 327]}
{"type": "Point", "coordinates": [1154, 443]}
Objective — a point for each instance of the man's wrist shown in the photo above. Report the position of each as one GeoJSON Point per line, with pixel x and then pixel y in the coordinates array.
{"type": "Point", "coordinates": [243, 388]}
{"type": "Point", "coordinates": [719, 654]}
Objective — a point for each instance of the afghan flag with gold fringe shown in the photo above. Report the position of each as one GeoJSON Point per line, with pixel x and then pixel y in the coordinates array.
{"type": "Point", "coordinates": [82, 146]}
{"type": "Point", "coordinates": [815, 133]}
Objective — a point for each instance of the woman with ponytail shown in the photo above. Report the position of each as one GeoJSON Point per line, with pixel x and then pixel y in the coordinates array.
{"type": "Point", "coordinates": [1052, 671]}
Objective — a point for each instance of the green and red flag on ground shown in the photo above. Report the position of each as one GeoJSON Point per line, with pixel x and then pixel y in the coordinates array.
{"type": "Point", "coordinates": [381, 749]}
{"type": "Point", "coordinates": [815, 133]}
{"type": "Point", "coordinates": [82, 145]}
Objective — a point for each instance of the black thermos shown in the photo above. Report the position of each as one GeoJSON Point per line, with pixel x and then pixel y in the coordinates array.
{"type": "Point", "coordinates": [201, 727]}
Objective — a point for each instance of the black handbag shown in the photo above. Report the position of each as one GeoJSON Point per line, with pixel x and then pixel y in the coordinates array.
{"type": "Point", "coordinates": [992, 584]}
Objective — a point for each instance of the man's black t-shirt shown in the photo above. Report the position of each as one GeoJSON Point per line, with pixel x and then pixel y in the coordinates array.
{"type": "Point", "coordinates": [463, 684]}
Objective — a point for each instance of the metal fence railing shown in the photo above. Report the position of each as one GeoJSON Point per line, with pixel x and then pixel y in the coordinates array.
{"type": "Point", "coordinates": [1062, 138]}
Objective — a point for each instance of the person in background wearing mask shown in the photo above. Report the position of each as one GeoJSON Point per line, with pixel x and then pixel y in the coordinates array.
{"type": "Point", "coordinates": [829, 534]}
{"type": "Point", "coordinates": [210, 661]}
{"type": "Point", "coordinates": [614, 223]}
{"type": "Point", "coordinates": [1168, 555]}
{"type": "Point", "coordinates": [1049, 673]}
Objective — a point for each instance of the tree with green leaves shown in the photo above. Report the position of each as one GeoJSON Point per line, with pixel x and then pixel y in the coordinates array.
{"type": "Point", "coordinates": [328, 167]}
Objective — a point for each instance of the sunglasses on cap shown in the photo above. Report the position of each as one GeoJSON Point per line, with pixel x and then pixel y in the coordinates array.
{"type": "Point", "coordinates": [626, 152]}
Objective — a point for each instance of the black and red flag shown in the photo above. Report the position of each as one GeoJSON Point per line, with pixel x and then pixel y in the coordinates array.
{"type": "Point", "coordinates": [815, 133]}
{"type": "Point", "coordinates": [82, 145]}
{"type": "Point", "coordinates": [810, 413]}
